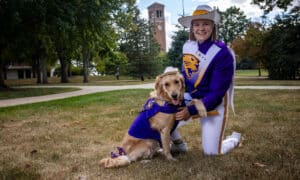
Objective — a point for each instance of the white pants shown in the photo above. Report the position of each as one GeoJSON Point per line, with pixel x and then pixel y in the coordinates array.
{"type": "Point", "coordinates": [213, 128]}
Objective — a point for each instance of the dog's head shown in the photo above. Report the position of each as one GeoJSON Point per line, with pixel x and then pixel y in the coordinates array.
{"type": "Point", "coordinates": [170, 86]}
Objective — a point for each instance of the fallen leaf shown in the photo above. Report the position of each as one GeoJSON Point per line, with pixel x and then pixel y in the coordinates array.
{"type": "Point", "coordinates": [82, 177]}
{"type": "Point", "coordinates": [33, 151]}
{"type": "Point", "coordinates": [259, 164]}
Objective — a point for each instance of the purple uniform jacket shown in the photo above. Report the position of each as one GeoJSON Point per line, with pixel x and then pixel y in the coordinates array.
{"type": "Point", "coordinates": [216, 80]}
{"type": "Point", "coordinates": [141, 127]}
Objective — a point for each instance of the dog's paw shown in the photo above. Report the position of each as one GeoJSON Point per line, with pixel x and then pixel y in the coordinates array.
{"type": "Point", "coordinates": [115, 162]}
{"type": "Point", "coordinates": [200, 107]}
{"type": "Point", "coordinates": [106, 162]}
{"type": "Point", "coordinates": [172, 159]}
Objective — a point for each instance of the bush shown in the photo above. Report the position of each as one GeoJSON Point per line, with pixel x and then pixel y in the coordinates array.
{"type": "Point", "coordinates": [246, 64]}
{"type": "Point", "coordinates": [75, 71]}
{"type": "Point", "coordinates": [282, 46]}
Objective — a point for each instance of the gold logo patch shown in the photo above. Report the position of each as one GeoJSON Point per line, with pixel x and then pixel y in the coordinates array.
{"type": "Point", "coordinates": [190, 64]}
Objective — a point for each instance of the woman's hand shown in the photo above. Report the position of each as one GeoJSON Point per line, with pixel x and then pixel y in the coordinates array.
{"type": "Point", "coordinates": [183, 114]}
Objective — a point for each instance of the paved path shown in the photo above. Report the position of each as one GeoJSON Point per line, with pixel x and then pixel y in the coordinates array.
{"type": "Point", "coordinates": [94, 89]}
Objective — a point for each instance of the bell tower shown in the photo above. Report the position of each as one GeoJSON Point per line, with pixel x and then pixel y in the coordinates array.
{"type": "Point", "coordinates": [156, 16]}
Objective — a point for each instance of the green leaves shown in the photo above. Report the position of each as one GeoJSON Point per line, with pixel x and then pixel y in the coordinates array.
{"type": "Point", "coordinates": [282, 48]}
{"type": "Point", "coordinates": [175, 52]}
{"type": "Point", "coordinates": [269, 5]}
{"type": "Point", "coordinates": [233, 24]}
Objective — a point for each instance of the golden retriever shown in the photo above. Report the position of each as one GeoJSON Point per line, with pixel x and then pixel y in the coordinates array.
{"type": "Point", "coordinates": [169, 88]}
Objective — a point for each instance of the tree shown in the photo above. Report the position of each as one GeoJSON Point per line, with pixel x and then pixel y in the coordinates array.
{"type": "Point", "coordinates": [268, 5]}
{"type": "Point", "coordinates": [94, 23]}
{"type": "Point", "coordinates": [282, 46]}
{"type": "Point", "coordinates": [10, 25]}
{"type": "Point", "coordinates": [140, 47]}
{"type": "Point", "coordinates": [233, 24]}
{"type": "Point", "coordinates": [41, 30]}
{"type": "Point", "coordinates": [251, 45]}
{"type": "Point", "coordinates": [175, 52]}
{"type": "Point", "coordinates": [37, 33]}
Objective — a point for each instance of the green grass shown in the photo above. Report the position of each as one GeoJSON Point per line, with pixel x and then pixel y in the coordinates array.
{"type": "Point", "coordinates": [243, 78]}
{"type": "Point", "coordinates": [65, 139]}
{"type": "Point", "coordinates": [29, 92]}
{"type": "Point", "coordinates": [77, 80]}
{"type": "Point", "coordinates": [251, 73]}
{"type": "Point", "coordinates": [256, 81]}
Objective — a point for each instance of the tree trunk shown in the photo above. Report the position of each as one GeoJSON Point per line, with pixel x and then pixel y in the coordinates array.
{"type": "Point", "coordinates": [38, 72]}
{"type": "Point", "coordinates": [2, 82]}
{"type": "Point", "coordinates": [85, 59]}
{"type": "Point", "coordinates": [259, 69]}
{"type": "Point", "coordinates": [43, 67]}
{"type": "Point", "coordinates": [69, 69]}
{"type": "Point", "coordinates": [63, 67]}
{"type": "Point", "coordinates": [34, 67]}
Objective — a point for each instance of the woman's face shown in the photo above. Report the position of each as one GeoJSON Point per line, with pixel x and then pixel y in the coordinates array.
{"type": "Point", "coordinates": [202, 29]}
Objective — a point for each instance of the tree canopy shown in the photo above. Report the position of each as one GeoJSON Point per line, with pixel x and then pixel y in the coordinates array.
{"type": "Point", "coordinates": [233, 24]}
{"type": "Point", "coordinates": [175, 52]}
{"type": "Point", "coordinates": [39, 32]}
{"type": "Point", "coordinates": [282, 44]}
{"type": "Point", "coordinates": [269, 5]}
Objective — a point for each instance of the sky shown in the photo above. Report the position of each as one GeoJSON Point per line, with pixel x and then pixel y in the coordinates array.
{"type": "Point", "coordinates": [174, 9]}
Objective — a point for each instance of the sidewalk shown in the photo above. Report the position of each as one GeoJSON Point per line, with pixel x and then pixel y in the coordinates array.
{"type": "Point", "coordinates": [94, 89]}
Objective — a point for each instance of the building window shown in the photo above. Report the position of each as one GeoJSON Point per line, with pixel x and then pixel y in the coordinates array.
{"type": "Point", "coordinates": [158, 14]}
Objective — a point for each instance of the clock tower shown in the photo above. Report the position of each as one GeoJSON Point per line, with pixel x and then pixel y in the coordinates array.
{"type": "Point", "coordinates": [156, 16]}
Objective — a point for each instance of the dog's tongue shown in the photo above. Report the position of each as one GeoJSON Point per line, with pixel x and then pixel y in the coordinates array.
{"type": "Point", "coordinates": [175, 101]}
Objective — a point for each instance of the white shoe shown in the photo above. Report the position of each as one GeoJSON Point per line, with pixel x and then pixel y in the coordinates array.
{"type": "Point", "coordinates": [235, 136]}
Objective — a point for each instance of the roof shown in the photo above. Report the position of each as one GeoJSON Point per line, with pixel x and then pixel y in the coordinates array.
{"type": "Point", "coordinates": [18, 67]}
{"type": "Point", "coordinates": [155, 4]}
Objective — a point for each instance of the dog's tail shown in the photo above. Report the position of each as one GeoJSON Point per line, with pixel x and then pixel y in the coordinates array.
{"type": "Point", "coordinates": [115, 162]}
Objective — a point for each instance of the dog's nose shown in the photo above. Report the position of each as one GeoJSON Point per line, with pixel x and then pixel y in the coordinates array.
{"type": "Point", "coordinates": [174, 96]}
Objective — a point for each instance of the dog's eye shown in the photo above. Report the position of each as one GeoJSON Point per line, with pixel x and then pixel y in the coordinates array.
{"type": "Point", "coordinates": [167, 84]}
{"type": "Point", "coordinates": [176, 82]}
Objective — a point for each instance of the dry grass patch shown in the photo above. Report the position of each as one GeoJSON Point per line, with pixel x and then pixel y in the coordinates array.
{"type": "Point", "coordinates": [64, 139]}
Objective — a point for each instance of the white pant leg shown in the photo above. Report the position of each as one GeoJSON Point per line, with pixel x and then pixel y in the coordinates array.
{"type": "Point", "coordinates": [213, 128]}
{"type": "Point", "coordinates": [212, 131]}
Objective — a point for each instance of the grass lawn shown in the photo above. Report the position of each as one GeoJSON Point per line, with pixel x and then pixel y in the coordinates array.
{"type": "Point", "coordinates": [28, 92]}
{"type": "Point", "coordinates": [251, 72]}
{"type": "Point", "coordinates": [243, 78]}
{"type": "Point", "coordinates": [77, 80]}
{"type": "Point", "coordinates": [256, 81]}
{"type": "Point", "coordinates": [65, 139]}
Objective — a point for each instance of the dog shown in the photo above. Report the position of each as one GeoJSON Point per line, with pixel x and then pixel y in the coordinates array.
{"type": "Point", "coordinates": [146, 137]}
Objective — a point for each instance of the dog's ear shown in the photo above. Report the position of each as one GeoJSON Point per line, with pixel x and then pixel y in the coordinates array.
{"type": "Point", "coordinates": [157, 83]}
{"type": "Point", "coordinates": [181, 80]}
{"type": "Point", "coordinates": [182, 83]}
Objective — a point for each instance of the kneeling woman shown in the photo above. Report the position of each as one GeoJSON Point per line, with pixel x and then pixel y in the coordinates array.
{"type": "Point", "coordinates": [208, 69]}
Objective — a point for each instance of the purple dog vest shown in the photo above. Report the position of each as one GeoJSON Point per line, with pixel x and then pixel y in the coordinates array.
{"type": "Point", "coordinates": [141, 128]}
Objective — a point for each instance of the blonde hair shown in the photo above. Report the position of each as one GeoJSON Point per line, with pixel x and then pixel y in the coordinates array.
{"type": "Point", "coordinates": [213, 37]}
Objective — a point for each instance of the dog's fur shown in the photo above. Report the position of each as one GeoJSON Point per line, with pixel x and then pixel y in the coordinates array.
{"type": "Point", "coordinates": [168, 87]}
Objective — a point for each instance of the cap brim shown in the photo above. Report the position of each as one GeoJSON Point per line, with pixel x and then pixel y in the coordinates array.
{"type": "Point", "coordinates": [187, 20]}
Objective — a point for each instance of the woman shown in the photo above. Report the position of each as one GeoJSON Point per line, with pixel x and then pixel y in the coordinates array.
{"type": "Point", "coordinates": [208, 69]}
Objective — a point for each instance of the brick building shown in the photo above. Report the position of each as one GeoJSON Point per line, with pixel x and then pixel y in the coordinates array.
{"type": "Point", "coordinates": [156, 16]}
